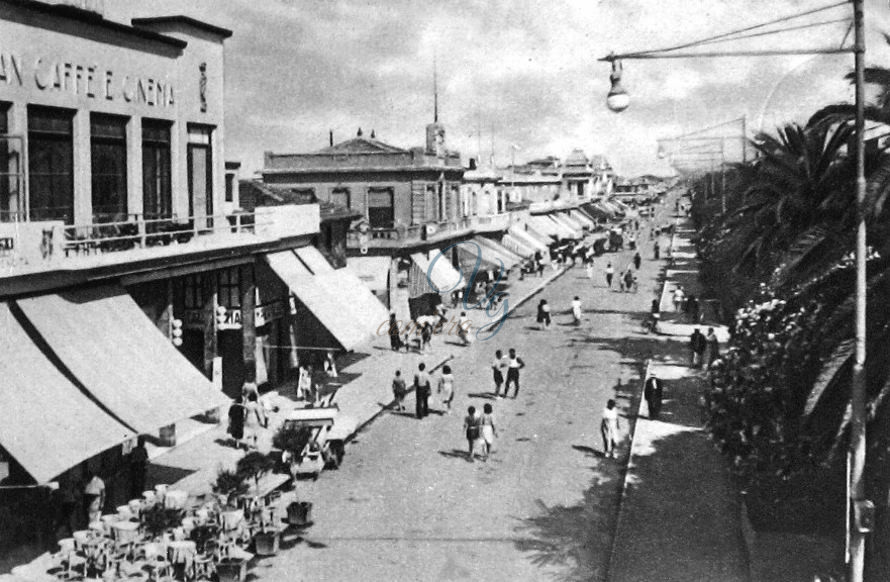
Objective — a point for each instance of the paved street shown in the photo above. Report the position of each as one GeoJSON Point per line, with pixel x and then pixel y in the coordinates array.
{"type": "Point", "coordinates": [407, 505]}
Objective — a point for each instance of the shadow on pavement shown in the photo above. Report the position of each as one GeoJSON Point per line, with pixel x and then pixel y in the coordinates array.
{"type": "Point", "coordinates": [162, 474]}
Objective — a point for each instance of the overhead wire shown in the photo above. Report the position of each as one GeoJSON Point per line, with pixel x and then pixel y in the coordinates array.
{"type": "Point", "coordinates": [726, 36]}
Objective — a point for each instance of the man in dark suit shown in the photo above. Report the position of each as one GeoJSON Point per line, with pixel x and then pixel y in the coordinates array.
{"type": "Point", "coordinates": [653, 392]}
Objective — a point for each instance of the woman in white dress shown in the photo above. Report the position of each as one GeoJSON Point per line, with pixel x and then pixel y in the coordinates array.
{"type": "Point", "coordinates": [609, 429]}
{"type": "Point", "coordinates": [446, 388]}
{"type": "Point", "coordinates": [489, 430]}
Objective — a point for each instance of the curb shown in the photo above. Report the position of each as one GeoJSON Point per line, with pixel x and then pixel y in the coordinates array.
{"type": "Point", "coordinates": [626, 482]}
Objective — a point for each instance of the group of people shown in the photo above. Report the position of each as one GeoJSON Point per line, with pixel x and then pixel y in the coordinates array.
{"type": "Point", "coordinates": [423, 390]}
{"type": "Point", "coordinates": [628, 281]}
{"type": "Point", "coordinates": [705, 349]}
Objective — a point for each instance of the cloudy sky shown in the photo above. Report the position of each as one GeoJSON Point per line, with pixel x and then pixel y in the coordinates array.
{"type": "Point", "coordinates": [524, 71]}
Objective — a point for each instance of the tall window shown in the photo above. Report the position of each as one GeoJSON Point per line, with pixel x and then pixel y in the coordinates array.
{"type": "Point", "coordinates": [108, 145]}
{"type": "Point", "coordinates": [51, 164]}
{"type": "Point", "coordinates": [11, 177]}
{"type": "Point", "coordinates": [229, 288]}
{"type": "Point", "coordinates": [157, 198]}
{"type": "Point", "coordinates": [440, 202]}
{"type": "Point", "coordinates": [200, 170]}
{"type": "Point", "coordinates": [340, 197]}
{"type": "Point", "coordinates": [381, 213]}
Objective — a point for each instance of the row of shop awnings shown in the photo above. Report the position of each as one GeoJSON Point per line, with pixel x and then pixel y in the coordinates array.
{"type": "Point", "coordinates": [85, 371]}
{"type": "Point", "coordinates": [336, 297]}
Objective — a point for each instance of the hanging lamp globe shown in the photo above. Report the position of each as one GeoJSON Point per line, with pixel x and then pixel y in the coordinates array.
{"type": "Point", "coordinates": [617, 100]}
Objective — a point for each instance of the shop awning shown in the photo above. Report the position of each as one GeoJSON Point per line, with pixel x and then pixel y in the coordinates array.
{"type": "Point", "coordinates": [102, 336]}
{"type": "Point", "coordinates": [509, 257]}
{"type": "Point", "coordinates": [440, 276]}
{"type": "Point", "coordinates": [313, 259]}
{"type": "Point", "coordinates": [568, 228]}
{"type": "Point", "coordinates": [468, 254]}
{"type": "Point", "coordinates": [49, 424]}
{"type": "Point", "coordinates": [582, 218]}
{"type": "Point", "coordinates": [372, 271]}
{"type": "Point", "coordinates": [529, 238]}
{"type": "Point", "coordinates": [518, 246]}
{"type": "Point", "coordinates": [544, 226]}
{"type": "Point", "coordinates": [332, 306]}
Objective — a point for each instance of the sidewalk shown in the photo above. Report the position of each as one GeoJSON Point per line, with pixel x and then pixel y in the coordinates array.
{"type": "Point", "coordinates": [679, 517]}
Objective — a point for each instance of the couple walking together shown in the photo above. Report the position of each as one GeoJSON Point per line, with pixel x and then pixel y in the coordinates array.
{"type": "Point", "coordinates": [480, 428]}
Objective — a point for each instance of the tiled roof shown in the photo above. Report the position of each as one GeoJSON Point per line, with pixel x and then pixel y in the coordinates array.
{"type": "Point", "coordinates": [576, 158]}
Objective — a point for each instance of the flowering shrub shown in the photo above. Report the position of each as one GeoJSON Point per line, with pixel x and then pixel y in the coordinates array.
{"type": "Point", "coordinates": [758, 388]}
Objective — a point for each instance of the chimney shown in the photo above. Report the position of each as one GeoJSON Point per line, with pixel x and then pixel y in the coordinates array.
{"type": "Point", "coordinates": [472, 163]}
{"type": "Point", "coordinates": [373, 136]}
{"type": "Point", "coordinates": [331, 137]}
{"type": "Point", "coordinates": [359, 132]}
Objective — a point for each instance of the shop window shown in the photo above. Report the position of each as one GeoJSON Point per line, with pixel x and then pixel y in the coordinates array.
{"type": "Point", "coordinates": [157, 198]}
{"type": "Point", "coordinates": [229, 288]}
{"type": "Point", "coordinates": [12, 177]}
{"type": "Point", "coordinates": [381, 213]}
{"type": "Point", "coordinates": [50, 164]}
{"type": "Point", "coordinates": [193, 292]}
{"type": "Point", "coordinates": [340, 197]}
{"type": "Point", "coordinates": [108, 147]}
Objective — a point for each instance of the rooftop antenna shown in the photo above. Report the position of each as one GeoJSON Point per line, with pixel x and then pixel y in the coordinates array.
{"type": "Point", "coordinates": [435, 92]}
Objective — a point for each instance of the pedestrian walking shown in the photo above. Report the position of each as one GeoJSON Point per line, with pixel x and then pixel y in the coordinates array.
{"type": "Point", "coordinates": [471, 430]}
{"type": "Point", "coordinates": [543, 314]}
{"type": "Point", "coordinates": [422, 390]}
{"type": "Point", "coordinates": [610, 272]}
{"type": "Point", "coordinates": [395, 340]}
{"type": "Point", "coordinates": [399, 390]}
{"type": "Point", "coordinates": [138, 466]}
{"type": "Point", "coordinates": [514, 364]}
{"type": "Point", "coordinates": [678, 297]}
{"type": "Point", "coordinates": [426, 338]}
{"type": "Point", "coordinates": [637, 260]}
{"type": "Point", "coordinates": [446, 388]}
{"type": "Point", "coordinates": [657, 250]}
{"type": "Point", "coordinates": [497, 367]}
{"type": "Point", "coordinates": [463, 328]}
{"type": "Point", "coordinates": [628, 280]}
{"type": "Point", "coordinates": [653, 392]}
{"type": "Point", "coordinates": [713, 347]}
{"type": "Point", "coordinates": [488, 430]}
{"type": "Point", "coordinates": [589, 268]}
{"type": "Point", "coordinates": [251, 394]}
{"type": "Point", "coordinates": [697, 344]}
{"type": "Point", "coordinates": [609, 429]}
{"type": "Point", "coordinates": [237, 412]}
{"type": "Point", "coordinates": [576, 310]}
{"type": "Point", "coordinates": [304, 383]}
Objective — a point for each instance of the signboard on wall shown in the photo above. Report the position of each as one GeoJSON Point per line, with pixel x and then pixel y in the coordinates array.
{"type": "Point", "coordinates": [227, 319]}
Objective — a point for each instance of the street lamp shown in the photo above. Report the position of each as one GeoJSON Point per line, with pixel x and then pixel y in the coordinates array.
{"type": "Point", "coordinates": [857, 502]}
{"type": "Point", "coordinates": [617, 100]}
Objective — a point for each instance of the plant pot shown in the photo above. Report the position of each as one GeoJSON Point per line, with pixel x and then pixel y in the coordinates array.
{"type": "Point", "coordinates": [266, 543]}
{"type": "Point", "coordinates": [299, 513]}
{"type": "Point", "coordinates": [231, 570]}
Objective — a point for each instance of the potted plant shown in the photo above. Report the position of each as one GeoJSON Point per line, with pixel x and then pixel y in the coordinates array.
{"type": "Point", "coordinates": [231, 569]}
{"type": "Point", "coordinates": [229, 486]}
{"type": "Point", "coordinates": [202, 534]}
{"type": "Point", "coordinates": [299, 513]}
{"type": "Point", "coordinates": [291, 440]}
{"type": "Point", "coordinates": [158, 519]}
{"type": "Point", "coordinates": [254, 465]}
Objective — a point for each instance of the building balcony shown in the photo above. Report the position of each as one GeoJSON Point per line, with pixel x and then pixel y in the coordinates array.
{"type": "Point", "coordinates": [405, 237]}
{"type": "Point", "coordinates": [47, 250]}
{"type": "Point", "coordinates": [490, 223]}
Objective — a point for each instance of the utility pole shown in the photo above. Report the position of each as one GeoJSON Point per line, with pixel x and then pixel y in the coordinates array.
{"type": "Point", "coordinates": [860, 506]}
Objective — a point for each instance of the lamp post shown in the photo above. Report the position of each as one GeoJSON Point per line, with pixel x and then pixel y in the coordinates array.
{"type": "Point", "coordinates": [618, 100]}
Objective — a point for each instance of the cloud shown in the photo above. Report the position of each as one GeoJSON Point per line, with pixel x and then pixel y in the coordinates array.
{"type": "Point", "coordinates": [526, 68]}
